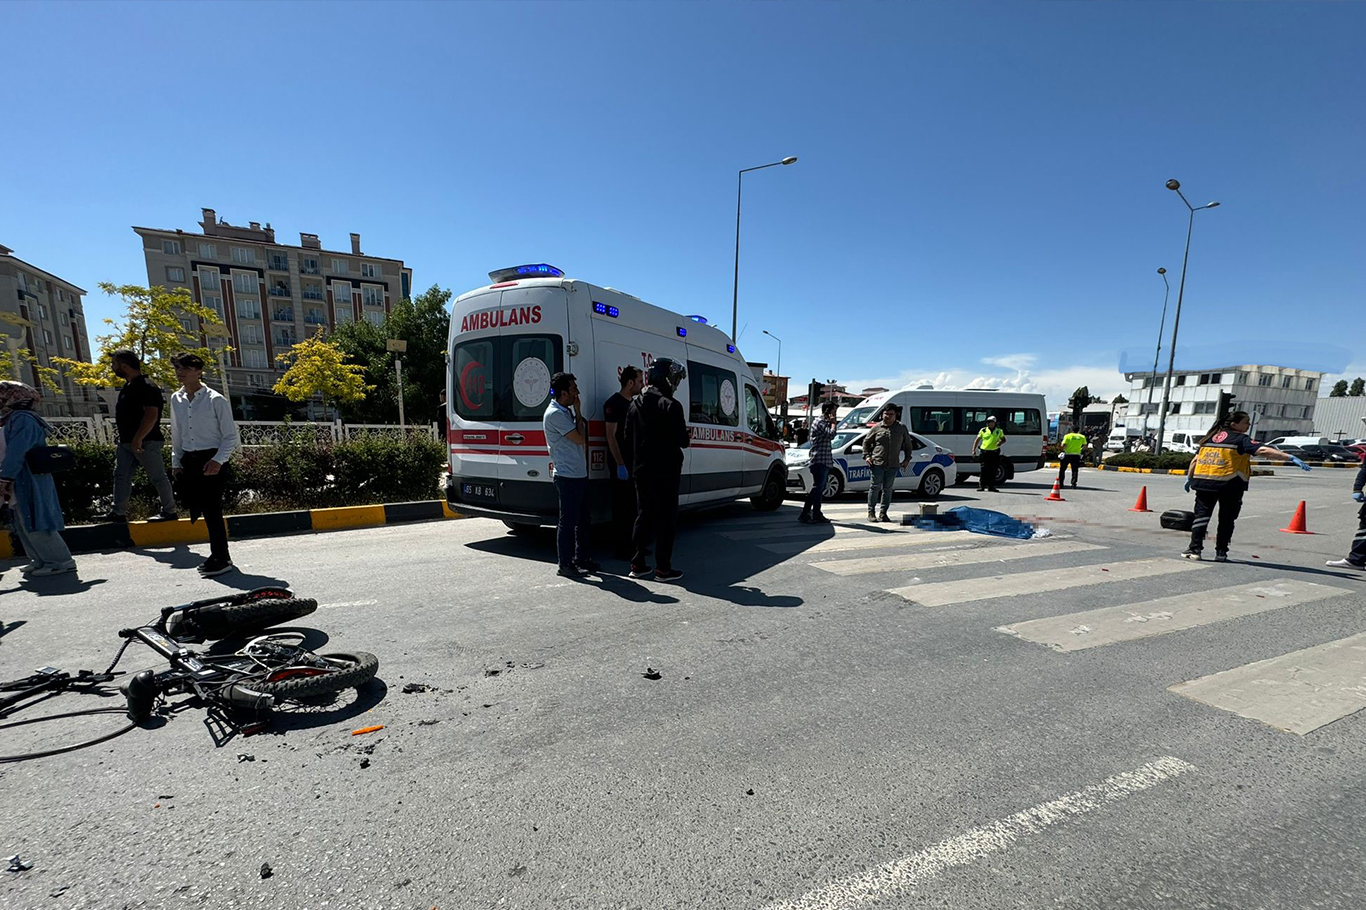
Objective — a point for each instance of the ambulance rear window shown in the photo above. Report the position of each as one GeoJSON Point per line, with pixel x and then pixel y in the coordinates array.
{"type": "Point", "coordinates": [505, 378]}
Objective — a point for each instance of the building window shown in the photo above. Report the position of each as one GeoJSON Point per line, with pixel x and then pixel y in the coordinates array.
{"type": "Point", "coordinates": [208, 281]}
{"type": "Point", "coordinates": [47, 336]}
{"type": "Point", "coordinates": [279, 261]}
{"type": "Point", "coordinates": [1286, 380]}
{"type": "Point", "coordinates": [42, 311]}
{"type": "Point", "coordinates": [251, 333]}
{"type": "Point", "coordinates": [170, 247]}
{"type": "Point", "coordinates": [374, 317]}
{"type": "Point", "coordinates": [308, 265]}
{"type": "Point", "coordinates": [314, 316]}
{"type": "Point", "coordinates": [1211, 378]}
{"type": "Point", "coordinates": [208, 251]}
{"type": "Point", "coordinates": [244, 255]}
{"type": "Point", "coordinates": [1175, 408]}
{"type": "Point", "coordinates": [1204, 407]}
{"type": "Point", "coordinates": [214, 303]}
{"type": "Point", "coordinates": [175, 273]}
{"type": "Point", "coordinates": [1308, 412]}
{"type": "Point", "coordinates": [344, 314]}
{"type": "Point", "coordinates": [1308, 387]}
{"type": "Point", "coordinates": [66, 320]}
{"type": "Point", "coordinates": [248, 308]}
{"type": "Point", "coordinates": [1242, 378]}
{"type": "Point", "coordinates": [187, 324]}
{"type": "Point", "coordinates": [341, 267]}
{"type": "Point", "coordinates": [313, 292]}
{"type": "Point", "coordinates": [245, 282]}
{"type": "Point", "coordinates": [369, 270]}
{"type": "Point", "coordinates": [1264, 380]}
{"type": "Point", "coordinates": [254, 357]}
{"type": "Point", "coordinates": [341, 293]}
{"type": "Point", "coordinates": [371, 295]}
{"type": "Point", "coordinates": [66, 342]}
{"type": "Point", "coordinates": [1181, 380]}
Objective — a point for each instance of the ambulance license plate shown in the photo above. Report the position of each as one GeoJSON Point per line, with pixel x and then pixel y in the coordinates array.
{"type": "Point", "coordinates": [486, 491]}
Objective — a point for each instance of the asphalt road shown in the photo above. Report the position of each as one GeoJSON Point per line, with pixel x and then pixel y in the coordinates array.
{"type": "Point", "coordinates": [819, 737]}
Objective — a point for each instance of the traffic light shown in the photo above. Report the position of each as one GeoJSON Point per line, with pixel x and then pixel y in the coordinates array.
{"type": "Point", "coordinates": [1226, 400]}
{"type": "Point", "coordinates": [813, 397]}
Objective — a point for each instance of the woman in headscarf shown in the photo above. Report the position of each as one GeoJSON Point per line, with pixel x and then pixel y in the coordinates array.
{"type": "Point", "coordinates": [36, 512]}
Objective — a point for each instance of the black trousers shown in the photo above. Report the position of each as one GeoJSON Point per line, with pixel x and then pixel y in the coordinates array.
{"type": "Point", "coordinates": [656, 519]}
{"type": "Point", "coordinates": [1229, 499]}
{"type": "Point", "coordinates": [1075, 462]}
{"type": "Point", "coordinates": [623, 494]}
{"type": "Point", "coordinates": [203, 495]}
{"type": "Point", "coordinates": [991, 464]}
{"type": "Point", "coordinates": [1358, 554]}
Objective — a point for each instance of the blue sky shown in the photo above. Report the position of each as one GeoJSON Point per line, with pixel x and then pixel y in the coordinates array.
{"type": "Point", "coordinates": [979, 193]}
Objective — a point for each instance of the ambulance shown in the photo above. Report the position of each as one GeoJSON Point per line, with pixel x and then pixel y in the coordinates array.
{"type": "Point", "coordinates": [507, 339]}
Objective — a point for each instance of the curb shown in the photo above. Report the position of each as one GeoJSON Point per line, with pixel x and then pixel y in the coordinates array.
{"type": "Point", "coordinates": [1179, 471]}
{"type": "Point", "coordinates": [145, 534]}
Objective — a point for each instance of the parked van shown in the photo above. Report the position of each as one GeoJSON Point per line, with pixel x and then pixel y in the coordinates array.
{"type": "Point", "coordinates": [1301, 441]}
{"type": "Point", "coordinates": [507, 340]}
{"type": "Point", "coordinates": [1183, 442]}
{"type": "Point", "coordinates": [1121, 438]}
{"type": "Point", "coordinates": [951, 420]}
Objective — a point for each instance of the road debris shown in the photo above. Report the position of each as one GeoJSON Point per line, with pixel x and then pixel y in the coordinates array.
{"type": "Point", "coordinates": [652, 673]}
{"type": "Point", "coordinates": [413, 688]}
{"type": "Point", "coordinates": [17, 865]}
{"type": "Point", "coordinates": [266, 871]}
{"type": "Point", "coordinates": [363, 730]}
{"type": "Point", "coordinates": [245, 756]}
{"type": "Point", "coordinates": [364, 763]}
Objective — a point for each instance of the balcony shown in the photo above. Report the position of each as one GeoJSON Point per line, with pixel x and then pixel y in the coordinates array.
{"type": "Point", "coordinates": [279, 289]}
{"type": "Point", "coordinates": [279, 265]}
{"type": "Point", "coordinates": [283, 314]}
{"type": "Point", "coordinates": [313, 294]}
{"type": "Point", "coordinates": [309, 268]}
{"type": "Point", "coordinates": [314, 317]}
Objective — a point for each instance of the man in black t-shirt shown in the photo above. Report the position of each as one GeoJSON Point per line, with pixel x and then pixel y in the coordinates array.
{"type": "Point", "coordinates": [619, 460]}
{"type": "Point", "coordinates": [138, 418]}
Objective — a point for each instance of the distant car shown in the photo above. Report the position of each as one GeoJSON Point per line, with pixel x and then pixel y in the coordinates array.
{"type": "Point", "coordinates": [932, 467]}
{"type": "Point", "coordinates": [1357, 447]}
{"type": "Point", "coordinates": [1342, 453]}
{"type": "Point", "coordinates": [1327, 454]}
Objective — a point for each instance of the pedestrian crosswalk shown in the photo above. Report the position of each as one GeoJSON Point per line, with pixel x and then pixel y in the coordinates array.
{"type": "Point", "coordinates": [986, 580]}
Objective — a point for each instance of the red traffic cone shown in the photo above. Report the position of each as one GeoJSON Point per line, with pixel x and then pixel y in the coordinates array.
{"type": "Point", "coordinates": [1056, 495]}
{"type": "Point", "coordinates": [1298, 524]}
{"type": "Point", "coordinates": [1142, 504]}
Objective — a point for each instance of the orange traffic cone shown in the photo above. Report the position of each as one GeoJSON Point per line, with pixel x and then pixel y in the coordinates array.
{"type": "Point", "coordinates": [1056, 495]}
{"type": "Point", "coordinates": [1298, 524]}
{"type": "Point", "coordinates": [1142, 504]}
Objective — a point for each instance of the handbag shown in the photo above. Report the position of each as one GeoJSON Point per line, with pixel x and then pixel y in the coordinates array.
{"type": "Point", "coordinates": [50, 459]}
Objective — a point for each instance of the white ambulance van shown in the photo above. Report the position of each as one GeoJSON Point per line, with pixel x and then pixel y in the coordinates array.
{"type": "Point", "coordinates": [951, 419]}
{"type": "Point", "coordinates": [509, 338]}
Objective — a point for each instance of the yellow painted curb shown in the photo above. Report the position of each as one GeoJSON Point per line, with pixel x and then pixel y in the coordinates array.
{"type": "Point", "coordinates": [345, 517]}
{"type": "Point", "coordinates": [167, 533]}
{"type": "Point", "coordinates": [448, 511]}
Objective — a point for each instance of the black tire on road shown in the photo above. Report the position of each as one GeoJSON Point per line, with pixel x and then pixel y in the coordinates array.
{"type": "Point", "coordinates": [932, 483]}
{"type": "Point", "coordinates": [771, 496]}
{"type": "Point", "coordinates": [356, 669]}
{"type": "Point", "coordinates": [834, 485]}
{"type": "Point", "coordinates": [226, 620]}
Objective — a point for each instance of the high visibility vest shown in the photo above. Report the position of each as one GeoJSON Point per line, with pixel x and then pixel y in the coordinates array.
{"type": "Point", "coordinates": [1073, 443]}
{"type": "Point", "coordinates": [990, 440]}
{"type": "Point", "coordinates": [1219, 461]}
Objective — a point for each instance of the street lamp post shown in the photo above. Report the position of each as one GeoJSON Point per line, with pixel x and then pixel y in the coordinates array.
{"type": "Point", "coordinates": [778, 374]}
{"type": "Point", "coordinates": [735, 288]}
{"type": "Point", "coordinates": [1175, 187]}
{"type": "Point", "coordinates": [399, 346]}
{"type": "Point", "coordinates": [1161, 327]}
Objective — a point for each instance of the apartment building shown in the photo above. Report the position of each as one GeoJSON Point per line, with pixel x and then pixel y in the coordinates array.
{"type": "Point", "coordinates": [50, 323]}
{"type": "Point", "coordinates": [270, 294]}
{"type": "Point", "coordinates": [1281, 400]}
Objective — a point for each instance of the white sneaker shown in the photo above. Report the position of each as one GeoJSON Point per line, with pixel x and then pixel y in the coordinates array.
{"type": "Point", "coordinates": [1344, 564]}
{"type": "Point", "coordinates": [60, 568]}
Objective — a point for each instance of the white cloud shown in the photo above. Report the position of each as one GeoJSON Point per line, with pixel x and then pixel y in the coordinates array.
{"type": "Point", "coordinates": [1056, 384]}
{"type": "Point", "coordinates": [1012, 361]}
{"type": "Point", "coordinates": [1354, 369]}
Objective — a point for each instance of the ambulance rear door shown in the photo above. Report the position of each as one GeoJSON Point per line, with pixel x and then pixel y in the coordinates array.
{"type": "Point", "coordinates": [473, 433]}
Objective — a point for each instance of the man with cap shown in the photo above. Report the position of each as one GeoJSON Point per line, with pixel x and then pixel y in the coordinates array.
{"type": "Point", "coordinates": [656, 435]}
{"type": "Point", "coordinates": [1072, 445]}
{"type": "Point", "coordinates": [989, 441]}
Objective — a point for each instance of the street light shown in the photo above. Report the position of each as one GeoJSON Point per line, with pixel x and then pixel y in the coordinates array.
{"type": "Point", "coordinates": [1161, 327]}
{"type": "Point", "coordinates": [1175, 187]}
{"type": "Point", "coordinates": [735, 288]}
{"type": "Point", "coordinates": [778, 374]}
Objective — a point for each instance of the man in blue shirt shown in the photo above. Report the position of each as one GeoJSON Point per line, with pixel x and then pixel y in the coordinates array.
{"type": "Point", "coordinates": [566, 434]}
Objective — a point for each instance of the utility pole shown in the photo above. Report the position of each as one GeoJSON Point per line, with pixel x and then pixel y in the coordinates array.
{"type": "Point", "coordinates": [398, 346]}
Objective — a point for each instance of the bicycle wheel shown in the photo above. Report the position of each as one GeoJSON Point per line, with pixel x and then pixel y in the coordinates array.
{"type": "Point", "coordinates": [225, 620]}
{"type": "Point", "coordinates": [346, 670]}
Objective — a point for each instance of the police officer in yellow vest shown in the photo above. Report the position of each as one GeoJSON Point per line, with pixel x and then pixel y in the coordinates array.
{"type": "Point", "coordinates": [1219, 474]}
{"type": "Point", "coordinates": [989, 441]}
{"type": "Point", "coordinates": [1073, 444]}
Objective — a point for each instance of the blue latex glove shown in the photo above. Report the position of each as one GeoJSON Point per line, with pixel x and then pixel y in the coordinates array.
{"type": "Point", "coordinates": [1359, 496]}
{"type": "Point", "coordinates": [1299, 464]}
{"type": "Point", "coordinates": [1188, 483]}
{"type": "Point", "coordinates": [622, 473]}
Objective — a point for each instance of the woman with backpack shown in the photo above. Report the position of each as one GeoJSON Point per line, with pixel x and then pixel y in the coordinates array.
{"type": "Point", "coordinates": [1219, 475]}
{"type": "Point", "coordinates": [36, 513]}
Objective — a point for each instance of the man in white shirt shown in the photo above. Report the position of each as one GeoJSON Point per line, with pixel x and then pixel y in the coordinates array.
{"type": "Point", "coordinates": [203, 438]}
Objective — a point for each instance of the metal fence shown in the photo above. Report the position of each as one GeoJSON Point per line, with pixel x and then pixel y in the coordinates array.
{"type": "Point", "coordinates": [253, 432]}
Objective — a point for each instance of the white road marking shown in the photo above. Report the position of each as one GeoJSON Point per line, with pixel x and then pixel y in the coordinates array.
{"type": "Point", "coordinates": [900, 876]}
{"type": "Point", "coordinates": [958, 557]}
{"type": "Point", "coordinates": [1166, 614]}
{"type": "Point", "coordinates": [795, 529]}
{"type": "Point", "coordinates": [986, 587]}
{"type": "Point", "coordinates": [350, 603]}
{"type": "Point", "coordinates": [866, 542]}
{"type": "Point", "coordinates": [1296, 692]}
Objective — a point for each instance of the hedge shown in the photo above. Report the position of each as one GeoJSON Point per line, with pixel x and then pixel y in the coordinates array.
{"type": "Point", "coordinates": [298, 474]}
{"type": "Point", "coordinates": [1167, 460]}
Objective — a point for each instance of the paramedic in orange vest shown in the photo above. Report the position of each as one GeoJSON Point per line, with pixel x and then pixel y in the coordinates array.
{"type": "Point", "coordinates": [1219, 474]}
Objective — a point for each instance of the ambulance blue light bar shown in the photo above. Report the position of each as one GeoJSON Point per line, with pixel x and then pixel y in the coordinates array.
{"type": "Point", "coordinates": [730, 348]}
{"type": "Point", "coordinates": [603, 309]}
{"type": "Point", "coordinates": [539, 270]}
{"type": "Point", "coordinates": [682, 332]}
{"type": "Point", "coordinates": [701, 319]}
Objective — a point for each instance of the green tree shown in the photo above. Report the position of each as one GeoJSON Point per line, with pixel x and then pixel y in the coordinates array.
{"type": "Point", "coordinates": [423, 322]}
{"type": "Point", "coordinates": [1119, 399]}
{"type": "Point", "coordinates": [11, 360]}
{"type": "Point", "coordinates": [1339, 389]}
{"type": "Point", "coordinates": [319, 367]}
{"type": "Point", "coordinates": [1358, 388]}
{"type": "Point", "coordinates": [152, 329]}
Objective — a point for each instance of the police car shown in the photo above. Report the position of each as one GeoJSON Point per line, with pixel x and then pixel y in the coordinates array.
{"type": "Point", "coordinates": [932, 467]}
{"type": "Point", "coordinates": [507, 339]}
